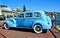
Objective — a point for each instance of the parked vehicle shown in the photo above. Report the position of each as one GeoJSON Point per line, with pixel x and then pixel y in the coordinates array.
{"type": "Point", "coordinates": [37, 20]}
{"type": "Point", "coordinates": [1, 15]}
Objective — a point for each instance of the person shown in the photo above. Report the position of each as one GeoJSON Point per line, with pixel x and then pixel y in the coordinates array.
{"type": "Point", "coordinates": [53, 19]}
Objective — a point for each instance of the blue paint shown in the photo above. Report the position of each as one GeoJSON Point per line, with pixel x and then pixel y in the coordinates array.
{"type": "Point", "coordinates": [24, 19]}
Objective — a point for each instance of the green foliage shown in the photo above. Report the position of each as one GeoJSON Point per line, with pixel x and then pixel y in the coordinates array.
{"type": "Point", "coordinates": [24, 8]}
{"type": "Point", "coordinates": [18, 10]}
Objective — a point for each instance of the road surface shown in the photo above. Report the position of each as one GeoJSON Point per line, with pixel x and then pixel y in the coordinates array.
{"type": "Point", "coordinates": [23, 33]}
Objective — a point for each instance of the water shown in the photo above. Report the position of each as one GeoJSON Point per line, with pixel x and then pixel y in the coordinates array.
{"type": "Point", "coordinates": [58, 19]}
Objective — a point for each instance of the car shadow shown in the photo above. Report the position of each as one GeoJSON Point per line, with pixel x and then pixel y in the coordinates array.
{"type": "Point", "coordinates": [22, 29]}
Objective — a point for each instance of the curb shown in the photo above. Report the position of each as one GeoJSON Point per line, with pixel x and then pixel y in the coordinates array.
{"type": "Point", "coordinates": [3, 35]}
{"type": "Point", "coordinates": [52, 33]}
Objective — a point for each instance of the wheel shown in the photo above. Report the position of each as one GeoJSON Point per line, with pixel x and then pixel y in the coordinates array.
{"type": "Point", "coordinates": [5, 26]}
{"type": "Point", "coordinates": [38, 29]}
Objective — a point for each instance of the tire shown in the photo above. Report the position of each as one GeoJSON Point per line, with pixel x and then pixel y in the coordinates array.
{"type": "Point", "coordinates": [38, 28]}
{"type": "Point", "coordinates": [44, 31]}
{"type": "Point", "coordinates": [6, 27]}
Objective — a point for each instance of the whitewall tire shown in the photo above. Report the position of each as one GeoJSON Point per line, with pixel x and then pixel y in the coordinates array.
{"type": "Point", "coordinates": [5, 26]}
{"type": "Point", "coordinates": [38, 29]}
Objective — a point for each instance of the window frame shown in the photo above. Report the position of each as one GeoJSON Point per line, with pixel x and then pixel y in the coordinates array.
{"type": "Point", "coordinates": [37, 14]}
{"type": "Point", "coordinates": [31, 15]}
{"type": "Point", "coordinates": [21, 16]}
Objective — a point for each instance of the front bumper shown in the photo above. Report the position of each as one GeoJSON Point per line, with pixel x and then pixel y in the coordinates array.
{"type": "Point", "coordinates": [2, 17]}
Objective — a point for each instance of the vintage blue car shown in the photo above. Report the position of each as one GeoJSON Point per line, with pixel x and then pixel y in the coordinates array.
{"type": "Point", "coordinates": [36, 20]}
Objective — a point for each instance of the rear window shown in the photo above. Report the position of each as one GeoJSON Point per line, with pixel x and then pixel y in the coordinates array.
{"type": "Point", "coordinates": [28, 14]}
{"type": "Point", "coordinates": [37, 14]}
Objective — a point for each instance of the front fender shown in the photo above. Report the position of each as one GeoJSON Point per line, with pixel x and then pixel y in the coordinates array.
{"type": "Point", "coordinates": [11, 22]}
{"type": "Point", "coordinates": [43, 24]}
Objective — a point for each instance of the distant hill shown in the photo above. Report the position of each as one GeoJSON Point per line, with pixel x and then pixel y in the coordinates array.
{"type": "Point", "coordinates": [3, 6]}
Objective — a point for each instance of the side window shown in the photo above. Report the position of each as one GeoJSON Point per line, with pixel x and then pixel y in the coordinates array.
{"type": "Point", "coordinates": [28, 14]}
{"type": "Point", "coordinates": [21, 15]}
{"type": "Point", "coordinates": [9, 16]}
{"type": "Point", "coordinates": [37, 14]}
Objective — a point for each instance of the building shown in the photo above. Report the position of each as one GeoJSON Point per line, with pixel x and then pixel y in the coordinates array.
{"type": "Point", "coordinates": [6, 11]}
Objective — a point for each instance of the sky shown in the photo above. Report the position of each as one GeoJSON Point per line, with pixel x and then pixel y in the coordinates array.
{"type": "Point", "coordinates": [46, 5]}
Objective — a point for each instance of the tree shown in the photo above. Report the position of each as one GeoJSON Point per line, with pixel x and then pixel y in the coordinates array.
{"type": "Point", "coordinates": [17, 10]}
{"type": "Point", "coordinates": [24, 8]}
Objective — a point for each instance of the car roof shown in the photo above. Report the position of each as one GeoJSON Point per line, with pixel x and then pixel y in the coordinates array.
{"type": "Point", "coordinates": [33, 11]}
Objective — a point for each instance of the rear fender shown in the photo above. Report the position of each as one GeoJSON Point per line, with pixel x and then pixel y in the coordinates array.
{"type": "Point", "coordinates": [43, 24]}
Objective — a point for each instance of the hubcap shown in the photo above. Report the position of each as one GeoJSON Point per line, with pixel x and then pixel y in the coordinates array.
{"type": "Point", "coordinates": [38, 28]}
{"type": "Point", "coordinates": [5, 26]}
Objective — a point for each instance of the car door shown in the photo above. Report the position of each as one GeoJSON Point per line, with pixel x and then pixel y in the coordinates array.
{"type": "Point", "coordinates": [20, 19]}
{"type": "Point", "coordinates": [28, 20]}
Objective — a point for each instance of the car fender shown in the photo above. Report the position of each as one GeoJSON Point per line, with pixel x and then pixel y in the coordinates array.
{"type": "Point", "coordinates": [10, 24]}
{"type": "Point", "coordinates": [42, 23]}
{"type": "Point", "coordinates": [49, 20]}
